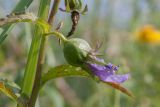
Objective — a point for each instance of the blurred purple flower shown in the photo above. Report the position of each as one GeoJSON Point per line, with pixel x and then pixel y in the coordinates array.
{"type": "Point", "coordinates": [107, 73]}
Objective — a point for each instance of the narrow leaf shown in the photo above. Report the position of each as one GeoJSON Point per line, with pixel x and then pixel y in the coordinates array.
{"type": "Point", "coordinates": [68, 70]}
{"type": "Point", "coordinates": [64, 70]}
{"type": "Point", "coordinates": [4, 33]}
{"type": "Point", "coordinates": [21, 6]}
{"type": "Point", "coordinates": [10, 89]}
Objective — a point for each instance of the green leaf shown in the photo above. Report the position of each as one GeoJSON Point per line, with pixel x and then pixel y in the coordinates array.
{"type": "Point", "coordinates": [21, 6]}
{"type": "Point", "coordinates": [68, 70]}
{"type": "Point", "coordinates": [10, 89]}
{"type": "Point", "coordinates": [62, 71]}
{"type": "Point", "coordinates": [4, 33]}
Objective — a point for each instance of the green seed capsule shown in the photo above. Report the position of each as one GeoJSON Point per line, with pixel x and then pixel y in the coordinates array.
{"type": "Point", "coordinates": [76, 51]}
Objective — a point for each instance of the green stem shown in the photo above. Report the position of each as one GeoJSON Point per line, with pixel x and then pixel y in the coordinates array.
{"type": "Point", "coordinates": [31, 67]}
{"type": "Point", "coordinates": [37, 82]}
{"type": "Point", "coordinates": [58, 35]}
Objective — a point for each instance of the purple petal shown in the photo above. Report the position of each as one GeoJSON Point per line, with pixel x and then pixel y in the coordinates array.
{"type": "Point", "coordinates": [99, 60]}
{"type": "Point", "coordinates": [112, 67]}
{"type": "Point", "coordinates": [107, 73]}
{"type": "Point", "coordinates": [101, 71]}
{"type": "Point", "coordinates": [116, 78]}
{"type": "Point", "coordinates": [109, 66]}
{"type": "Point", "coordinates": [95, 67]}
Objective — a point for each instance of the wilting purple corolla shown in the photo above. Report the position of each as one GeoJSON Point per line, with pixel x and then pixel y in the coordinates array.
{"type": "Point", "coordinates": [107, 73]}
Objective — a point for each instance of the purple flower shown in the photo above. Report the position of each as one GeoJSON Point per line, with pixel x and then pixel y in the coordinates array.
{"type": "Point", "coordinates": [107, 73]}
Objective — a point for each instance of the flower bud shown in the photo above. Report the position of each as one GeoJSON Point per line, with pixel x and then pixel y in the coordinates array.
{"type": "Point", "coordinates": [74, 5]}
{"type": "Point", "coordinates": [76, 51]}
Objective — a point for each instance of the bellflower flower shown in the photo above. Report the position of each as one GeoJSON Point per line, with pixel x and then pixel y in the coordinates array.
{"type": "Point", "coordinates": [79, 53]}
{"type": "Point", "coordinates": [107, 73]}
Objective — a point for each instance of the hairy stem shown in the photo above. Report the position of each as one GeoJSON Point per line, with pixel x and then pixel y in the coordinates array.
{"type": "Point", "coordinates": [41, 58]}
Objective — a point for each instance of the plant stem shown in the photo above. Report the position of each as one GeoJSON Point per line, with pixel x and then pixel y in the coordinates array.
{"type": "Point", "coordinates": [53, 11]}
{"type": "Point", "coordinates": [41, 58]}
{"type": "Point", "coordinates": [31, 67]}
{"type": "Point", "coordinates": [58, 35]}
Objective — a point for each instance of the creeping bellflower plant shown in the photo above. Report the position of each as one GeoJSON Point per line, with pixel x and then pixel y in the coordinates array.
{"type": "Point", "coordinates": [77, 53]}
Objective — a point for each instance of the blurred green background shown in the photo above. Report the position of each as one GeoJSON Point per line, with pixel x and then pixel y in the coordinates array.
{"type": "Point", "coordinates": [112, 22]}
